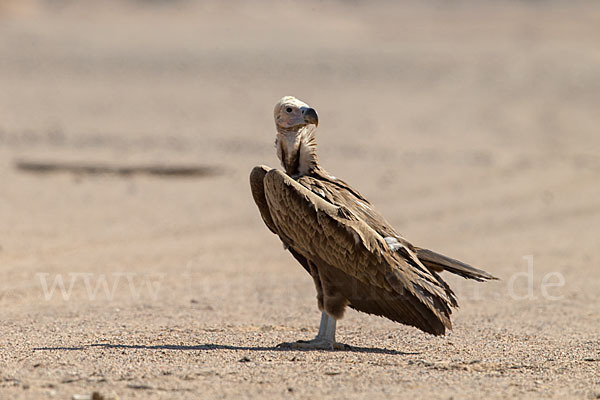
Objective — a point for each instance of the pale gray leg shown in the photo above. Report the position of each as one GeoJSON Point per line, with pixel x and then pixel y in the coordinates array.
{"type": "Point", "coordinates": [325, 339]}
{"type": "Point", "coordinates": [327, 327]}
{"type": "Point", "coordinates": [323, 327]}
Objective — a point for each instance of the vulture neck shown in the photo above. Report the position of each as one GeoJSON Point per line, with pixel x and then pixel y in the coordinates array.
{"type": "Point", "coordinates": [297, 150]}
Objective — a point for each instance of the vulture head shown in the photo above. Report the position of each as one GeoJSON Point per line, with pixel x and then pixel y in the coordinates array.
{"type": "Point", "coordinates": [296, 123]}
{"type": "Point", "coordinates": [293, 114]}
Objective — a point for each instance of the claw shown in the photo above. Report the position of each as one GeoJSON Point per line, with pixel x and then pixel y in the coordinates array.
{"type": "Point", "coordinates": [325, 339]}
{"type": "Point", "coordinates": [315, 344]}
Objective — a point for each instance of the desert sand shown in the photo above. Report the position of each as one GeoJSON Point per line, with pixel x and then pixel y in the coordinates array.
{"type": "Point", "coordinates": [472, 126]}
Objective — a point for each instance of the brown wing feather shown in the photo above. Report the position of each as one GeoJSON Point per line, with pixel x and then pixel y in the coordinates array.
{"type": "Point", "coordinates": [257, 187]}
{"type": "Point", "coordinates": [439, 262]}
{"type": "Point", "coordinates": [336, 237]}
{"type": "Point", "coordinates": [339, 192]}
{"type": "Point", "coordinates": [389, 304]}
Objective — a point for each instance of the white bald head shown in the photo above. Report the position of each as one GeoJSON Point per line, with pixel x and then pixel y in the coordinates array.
{"type": "Point", "coordinates": [295, 141]}
{"type": "Point", "coordinates": [291, 113]}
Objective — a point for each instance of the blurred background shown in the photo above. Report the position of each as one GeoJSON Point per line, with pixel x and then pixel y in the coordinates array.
{"type": "Point", "coordinates": [472, 125]}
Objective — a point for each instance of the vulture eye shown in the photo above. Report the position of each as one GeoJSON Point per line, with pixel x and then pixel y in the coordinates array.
{"type": "Point", "coordinates": [289, 109]}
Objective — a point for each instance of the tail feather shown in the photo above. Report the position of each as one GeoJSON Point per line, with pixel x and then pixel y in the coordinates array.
{"type": "Point", "coordinates": [438, 262]}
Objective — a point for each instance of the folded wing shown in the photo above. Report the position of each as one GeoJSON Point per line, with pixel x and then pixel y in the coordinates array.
{"type": "Point", "coordinates": [374, 278]}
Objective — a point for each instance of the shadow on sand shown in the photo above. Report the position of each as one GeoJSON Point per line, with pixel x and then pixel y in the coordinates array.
{"type": "Point", "coordinates": [211, 346]}
{"type": "Point", "coordinates": [48, 167]}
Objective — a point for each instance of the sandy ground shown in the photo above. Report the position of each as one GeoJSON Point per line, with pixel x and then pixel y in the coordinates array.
{"type": "Point", "coordinates": [472, 126]}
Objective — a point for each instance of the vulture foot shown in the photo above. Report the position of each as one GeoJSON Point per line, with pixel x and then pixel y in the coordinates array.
{"type": "Point", "coordinates": [318, 343]}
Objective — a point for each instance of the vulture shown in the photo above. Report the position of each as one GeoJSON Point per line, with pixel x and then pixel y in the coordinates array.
{"type": "Point", "coordinates": [354, 256]}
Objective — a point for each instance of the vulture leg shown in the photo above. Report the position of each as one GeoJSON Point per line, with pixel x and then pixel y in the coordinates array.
{"type": "Point", "coordinates": [314, 272]}
{"type": "Point", "coordinates": [325, 339]}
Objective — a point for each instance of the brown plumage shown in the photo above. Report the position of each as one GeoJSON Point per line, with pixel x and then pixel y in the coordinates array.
{"type": "Point", "coordinates": [356, 258]}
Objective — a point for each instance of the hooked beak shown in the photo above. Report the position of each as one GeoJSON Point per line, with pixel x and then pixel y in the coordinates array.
{"type": "Point", "coordinates": [310, 116]}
